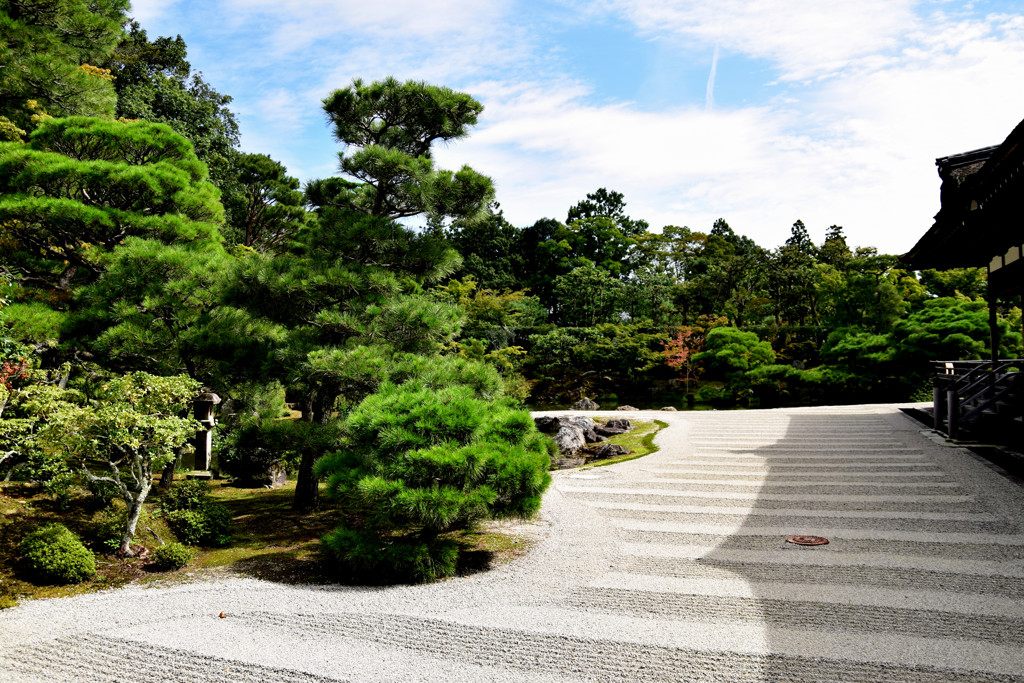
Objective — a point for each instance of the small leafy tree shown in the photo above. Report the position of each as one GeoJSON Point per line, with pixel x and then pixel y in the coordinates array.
{"type": "Point", "coordinates": [422, 459]}
{"type": "Point", "coordinates": [134, 427]}
{"type": "Point", "coordinates": [680, 349]}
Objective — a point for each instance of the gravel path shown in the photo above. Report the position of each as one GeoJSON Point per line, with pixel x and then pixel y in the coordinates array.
{"type": "Point", "coordinates": [672, 567]}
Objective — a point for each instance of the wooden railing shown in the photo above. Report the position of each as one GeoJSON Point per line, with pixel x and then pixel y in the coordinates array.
{"type": "Point", "coordinates": [967, 392]}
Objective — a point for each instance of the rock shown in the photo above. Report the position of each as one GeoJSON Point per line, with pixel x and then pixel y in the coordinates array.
{"type": "Point", "coordinates": [590, 436]}
{"type": "Point", "coordinates": [570, 440]}
{"type": "Point", "coordinates": [580, 421]}
{"type": "Point", "coordinates": [610, 450]}
{"type": "Point", "coordinates": [609, 431]}
{"type": "Point", "coordinates": [625, 408]}
{"type": "Point", "coordinates": [547, 424]}
{"type": "Point", "coordinates": [619, 423]}
{"type": "Point", "coordinates": [585, 404]}
{"type": "Point", "coordinates": [670, 408]}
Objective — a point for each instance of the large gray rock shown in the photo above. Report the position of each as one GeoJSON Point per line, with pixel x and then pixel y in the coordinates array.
{"type": "Point", "coordinates": [581, 421]}
{"type": "Point", "coordinates": [619, 423]}
{"type": "Point", "coordinates": [585, 404]}
{"type": "Point", "coordinates": [590, 436]}
{"type": "Point", "coordinates": [610, 450]}
{"type": "Point", "coordinates": [547, 424]}
{"type": "Point", "coordinates": [570, 440]}
{"type": "Point", "coordinates": [625, 408]}
{"type": "Point", "coordinates": [671, 409]}
{"type": "Point", "coordinates": [604, 430]}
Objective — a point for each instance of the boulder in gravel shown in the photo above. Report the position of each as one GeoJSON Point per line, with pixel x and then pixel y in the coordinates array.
{"type": "Point", "coordinates": [570, 440]}
{"type": "Point", "coordinates": [610, 450]}
{"type": "Point", "coordinates": [581, 421]}
{"type": "Point", "coordinates": [625, 408]}
{"type": "Point", "coordinates": [585, 404]}
{"type": "Point", "coordinates": [619, 423]}
{"type": "Point", "coordinates": [670, 408]}
{"type": "Point", "coordinates": [604, 430]}
{"type": "Point", "coordinates": [547, 424]}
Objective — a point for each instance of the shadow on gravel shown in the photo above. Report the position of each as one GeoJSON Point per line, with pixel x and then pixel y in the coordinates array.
{"type": "Point", "coordinates": [814, 477]}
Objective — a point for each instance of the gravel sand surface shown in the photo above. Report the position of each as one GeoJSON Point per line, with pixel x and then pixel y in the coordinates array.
{"type": "Point", "coordinates": [673, 567]}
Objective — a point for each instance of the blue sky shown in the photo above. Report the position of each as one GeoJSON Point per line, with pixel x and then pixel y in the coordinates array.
{"type": "Point", "coordinates": [757, 111]}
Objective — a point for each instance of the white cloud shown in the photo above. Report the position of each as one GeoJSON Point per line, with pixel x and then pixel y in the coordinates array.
{"type": "Point", "coordinates": [804, 38]}
{"type": "Point", "coordinates": [148, 11]}
{"type": "Point", "coordinates": [867, 96]}
{"type": "Point", "coordinates": [857, 150]}
{"type": "Point", "coordinates": [300, 23]}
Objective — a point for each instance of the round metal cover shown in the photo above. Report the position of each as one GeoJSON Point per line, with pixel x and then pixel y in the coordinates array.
{"type": "Point", "coordinates": [807, 540]}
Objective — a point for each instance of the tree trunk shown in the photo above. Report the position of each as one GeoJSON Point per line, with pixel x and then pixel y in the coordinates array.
{"type": "Point", "coordinates": [167, 476]}
{"type": "Point", "coordinates": [134, 510]}
{"type": "Point", "coordinates": [307, 487]}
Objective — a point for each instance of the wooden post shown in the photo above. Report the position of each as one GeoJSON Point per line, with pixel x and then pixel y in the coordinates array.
{"type": "Point", "coordinates": [938, 403]}
{"type": "Point", "coordinates": [953, 404]}
{"type": "Point", "coordinates": [993, 323]}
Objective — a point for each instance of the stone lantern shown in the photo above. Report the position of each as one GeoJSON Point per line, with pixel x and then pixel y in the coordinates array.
{"type": "Point", "coordinates": [203, 406]}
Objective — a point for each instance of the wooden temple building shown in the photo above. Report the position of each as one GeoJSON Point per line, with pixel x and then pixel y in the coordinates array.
{"type": "Point", "coordinates": [980, 224]}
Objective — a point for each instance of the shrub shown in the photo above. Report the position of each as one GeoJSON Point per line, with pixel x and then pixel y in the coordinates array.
{"type": "Point", "coordinates": [188, 495]}
{"type": "Point", "coordinates": [194, 518]}
{"type": "Point", "coordinates": [423, 461]}
{"type": "Point", "coordinates": [52, 554]}
{"type": "Point", "coordinates": [102, 493]}
{"type": "Point", "coordinates": [365, 558]}
{"type": "Point", "coordinates": [172, 556]}
{"type": "Point", "coordinates": [206, 525]}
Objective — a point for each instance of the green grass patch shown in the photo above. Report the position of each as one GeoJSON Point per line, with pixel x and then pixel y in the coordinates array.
{"type": "Point", "coordinates": [640, 440]}
{"type": "Point", "coordinates": [269, 540]}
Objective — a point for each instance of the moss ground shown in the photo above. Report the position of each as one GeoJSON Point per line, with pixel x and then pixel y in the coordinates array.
{"type": "Point", "coordinates": [640, 440]}
{"type": "Point", "coordinates": [269, 541]}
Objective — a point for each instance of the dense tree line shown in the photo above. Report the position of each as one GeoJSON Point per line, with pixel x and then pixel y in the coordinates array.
{"type": "Point", "coordinates": [634, 315]}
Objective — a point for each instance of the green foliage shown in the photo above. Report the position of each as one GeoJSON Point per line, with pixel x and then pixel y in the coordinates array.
{"type": "Point", "coordinates": [153, 308]}
{"type": "Point", "coordinates": [154, 81]}
{"type": "Point", "coordinates": [264, 205]}
{"type": "Point", "coordinates": [388, 128]}
{"type": "Point", "coordinates": [209, 525]}
{"type": "Point", "coordinates": [81, 186]}
{"type": "Point", "coordinates": [34, 322]}
{"type": "Point", "coordinates": [172, 556]}
{"type": "Point", "coordinates": [729, 351]}
{"type": "Point", "coordinates": [187, 495]}
{"type": "Point", "coordinates": [366, 558]}
{"type": "Point", "coordinates": [420, 461]}
{"type": "Point", "coordinates": [47, 53]}
{"type": "Point", "coordinates": [54, 555]}
{"type": "Point", "coordinates": [131, 427]}
{"type": "Point", "coordinates": [194, 517]}
{"type": "Point", "coordinates": [261, 444]}
{"type": "Point", "coordinates": [587, 295]}
{"type": "Point", "coordinates": [963, 282]}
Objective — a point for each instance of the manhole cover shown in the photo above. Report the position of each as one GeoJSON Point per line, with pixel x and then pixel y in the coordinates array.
{"type": "Point", "coordinates": [807, 540]}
